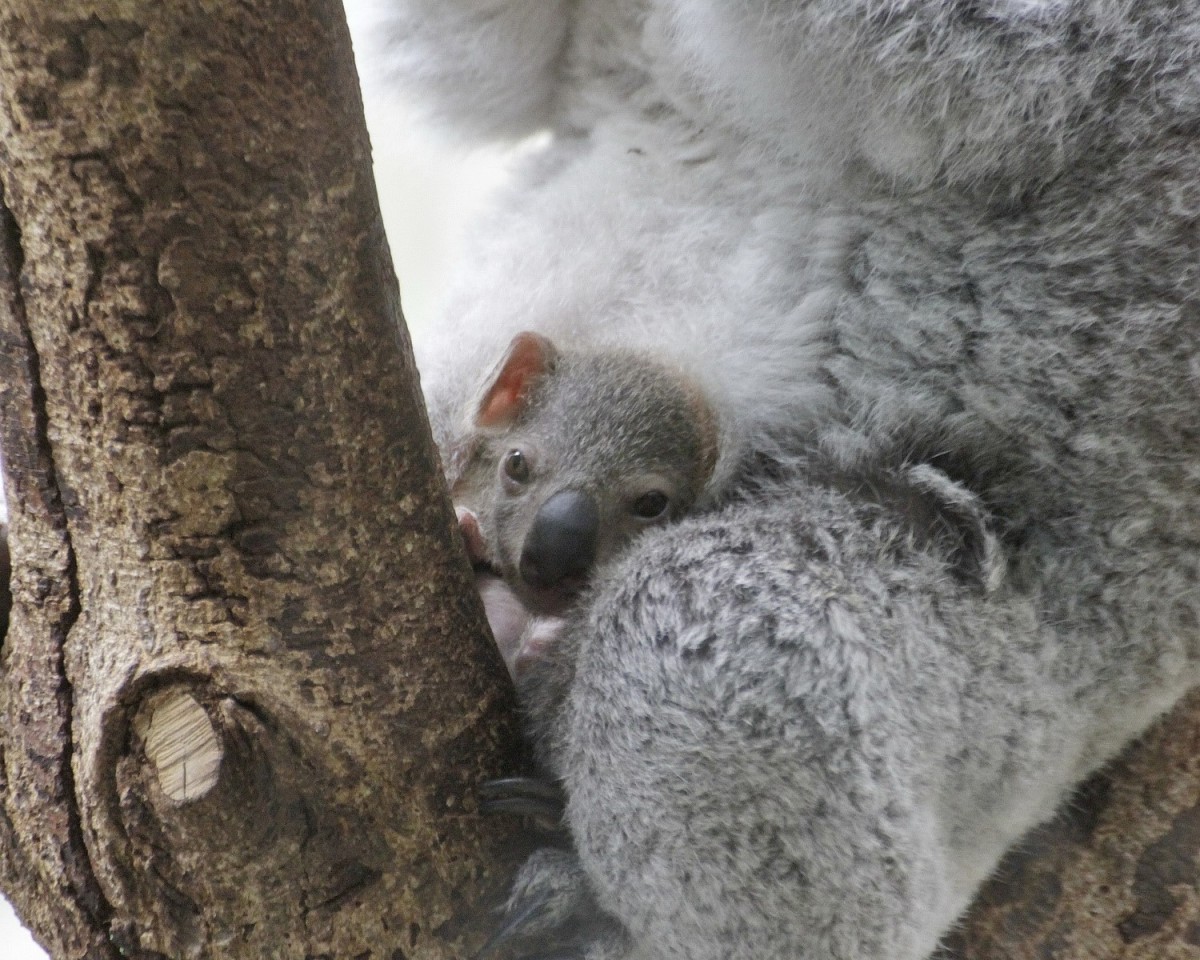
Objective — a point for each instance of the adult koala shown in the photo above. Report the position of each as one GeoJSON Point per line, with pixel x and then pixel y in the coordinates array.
{"type": "Point", "coordinates": [949, 240]}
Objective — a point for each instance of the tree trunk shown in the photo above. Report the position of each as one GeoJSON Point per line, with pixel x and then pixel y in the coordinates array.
{"type": "Point", "coordinates": [247, 690]}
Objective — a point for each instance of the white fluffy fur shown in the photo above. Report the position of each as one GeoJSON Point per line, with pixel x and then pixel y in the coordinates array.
{"type": "Point", "coordinates": [702, 192]}
{"type": "Point", "coordinates": [487, 64]}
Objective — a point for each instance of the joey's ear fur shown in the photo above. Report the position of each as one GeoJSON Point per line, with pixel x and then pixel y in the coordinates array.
{"type": "Point", "coordinates": [530, 356]}
{"type": "Point", "coordinates": [710, 437]}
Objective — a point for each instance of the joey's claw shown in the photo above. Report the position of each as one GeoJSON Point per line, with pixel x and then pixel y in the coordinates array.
{"type": "Point", "coordinates": [526, 796]}
{"type": "Point", "coordinates": [525, 786]}
{"type": "Point", "coordinates": [522, 806]}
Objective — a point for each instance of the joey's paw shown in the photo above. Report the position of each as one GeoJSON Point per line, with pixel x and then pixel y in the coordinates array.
{"type": "Point", "coordinates": [524, 796]}
{"type": "Point", "coordinates": [551, 915]}
{"type": "Point", "coordinates": [468, 525]}
{"type": "Point", "coordinates": [506, 615]}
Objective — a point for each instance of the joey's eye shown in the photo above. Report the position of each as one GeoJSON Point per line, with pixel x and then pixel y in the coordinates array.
{"type": "Point", "coordinates": [651, 506]}
{"type": "Point", "coordinates": [516, 466]}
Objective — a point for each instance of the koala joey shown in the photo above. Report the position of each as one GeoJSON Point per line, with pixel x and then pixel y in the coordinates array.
{"type": "Point", "coordinates": [562, 457]}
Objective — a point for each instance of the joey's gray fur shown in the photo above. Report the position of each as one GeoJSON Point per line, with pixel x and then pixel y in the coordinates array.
{"type": "Point", "coordinates": [948, 239]}
{"type": "Point", "coordinates": [558, 460]}
{"type": "Point", "coordinates": [608, 425]}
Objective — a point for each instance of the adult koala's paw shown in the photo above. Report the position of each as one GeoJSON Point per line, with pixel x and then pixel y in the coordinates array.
{"type": "Point", "coordinates": [552, 915]}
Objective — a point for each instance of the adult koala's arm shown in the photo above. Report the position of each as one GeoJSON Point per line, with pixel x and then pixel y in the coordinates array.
{"type": "Point", "coordinates": [972, 91]}
{"type": "Point", "coordinates": [793, 729]}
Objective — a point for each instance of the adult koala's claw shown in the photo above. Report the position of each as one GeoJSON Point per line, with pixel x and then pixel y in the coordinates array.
{"type": "Point", "coordinates": [518, 916]}
{"type": "Point", "coordinates": [525, 796]}
{"type": "Point", "coordinates": [551, 915]}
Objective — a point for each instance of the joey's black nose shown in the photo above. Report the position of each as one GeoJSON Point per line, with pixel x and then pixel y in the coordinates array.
{"type": "Point", "coordinates": [562, 542]}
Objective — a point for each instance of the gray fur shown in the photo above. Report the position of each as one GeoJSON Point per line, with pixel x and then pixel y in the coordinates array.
{"type": "Point", "coordinates": [953, 240]}
{"type": "Point", "coordinates": [606, 423]}
{"type": "Point", "coordinates": [788, 729]}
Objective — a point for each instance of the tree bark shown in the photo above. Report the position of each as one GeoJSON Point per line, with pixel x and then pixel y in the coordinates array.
{"type": "Point", "coordinates": [247, 689]}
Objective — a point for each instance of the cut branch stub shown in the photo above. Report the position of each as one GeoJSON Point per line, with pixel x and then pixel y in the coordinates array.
{"type": "Point", "coordinates": [247, 788]}
{"type": "Point", "coordinates": [266, 817]}
{"type": "Point", "coordinates": [250, 812]}
{"type": "Point", "coordinates": [181, 745]}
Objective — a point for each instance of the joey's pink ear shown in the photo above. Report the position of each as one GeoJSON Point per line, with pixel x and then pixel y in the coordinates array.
{"type": "Point", "coordinates": [529, 357]}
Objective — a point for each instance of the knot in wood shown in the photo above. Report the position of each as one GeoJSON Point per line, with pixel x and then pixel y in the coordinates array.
{"type": "Point", "coordinates": [183, 747]}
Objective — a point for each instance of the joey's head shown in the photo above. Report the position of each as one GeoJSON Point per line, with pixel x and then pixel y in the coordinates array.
{"type": "Point", "coordinates": [569, 455]}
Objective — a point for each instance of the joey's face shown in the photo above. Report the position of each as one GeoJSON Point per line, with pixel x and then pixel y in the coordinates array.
{"type": "Point", "coordinates": [556, 509]}
{"type": "Point", "coordinates": [573, 455]}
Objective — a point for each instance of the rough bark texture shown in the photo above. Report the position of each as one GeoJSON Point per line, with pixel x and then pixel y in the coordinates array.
{"type": "Point", "coordinates": [246, 692]}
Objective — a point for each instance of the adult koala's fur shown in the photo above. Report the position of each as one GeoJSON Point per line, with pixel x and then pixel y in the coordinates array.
{"type": "Point", "coordinates": [952, 236]}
